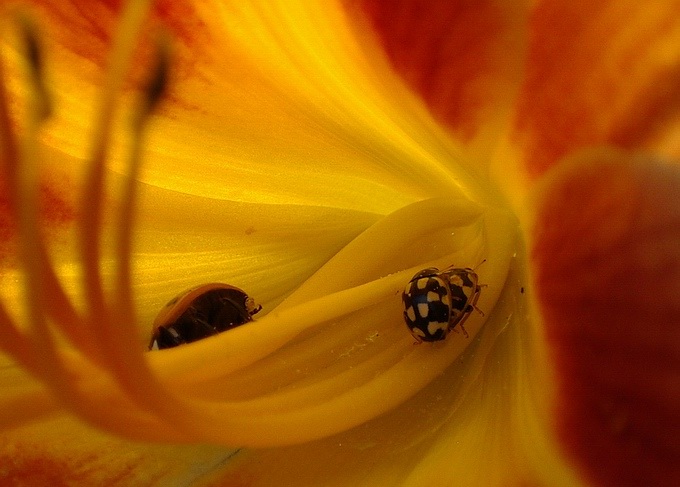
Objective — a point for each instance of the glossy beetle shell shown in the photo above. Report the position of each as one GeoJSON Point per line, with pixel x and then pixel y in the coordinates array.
{"type": "Point", "coordinates": [201, 312]}
{"type": "Point", "coordinates": [435, 301]}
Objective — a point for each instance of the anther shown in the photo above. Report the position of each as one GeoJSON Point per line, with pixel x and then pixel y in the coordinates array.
{"type": "Point", "coordinates": [34, 58]}
{"type": "Point", "coordinates": [157, 82]}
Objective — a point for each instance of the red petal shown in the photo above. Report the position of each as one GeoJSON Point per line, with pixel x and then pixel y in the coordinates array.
{"type": "Point", "coordinates": [57, 213]}
{"type": "Point", "coordinates": [606, 258]}
{"type": "Point", "coordinates": [600, 73]}
{"type": "Point", "coordinates": [460, 55]}
{"type": "Point", "coordinates": [86, 27]}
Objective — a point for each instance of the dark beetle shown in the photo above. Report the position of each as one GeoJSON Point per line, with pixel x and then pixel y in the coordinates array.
{"type": "Point", "coordinates": [201, 312]}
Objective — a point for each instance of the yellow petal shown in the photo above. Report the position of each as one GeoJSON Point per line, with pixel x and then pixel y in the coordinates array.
{"type": "Point", "coordinates": [281, 104]}
{"type": "Point", "coordinates": [64, 451]}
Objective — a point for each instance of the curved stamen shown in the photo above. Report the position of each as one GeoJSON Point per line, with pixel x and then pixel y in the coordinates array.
{"type": "Point", "coordinates": [121, 350]}
{"type": "Point", "coordinates": [127, 360]}
{"type": "Point", "coordinates": [48, 360]}
{"type": "Point", "coordinates": [98, 319]}
{"type": "Point", "coordinates": [58, 305]}
{"type": "Point", "coordinates": [15, 343]}
{"type": "Point", "coordinates": [11, 339]}
{"type": "Point", "coordinates": [62, 371]}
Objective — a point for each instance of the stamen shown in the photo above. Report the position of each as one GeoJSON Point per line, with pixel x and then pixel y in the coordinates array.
{"type": "Point", "coordinates": [156, 85]}
{"type": "Point", "coordinates": [68, 382]}
{"type": "Point", "coordinates": [61, 370]}
{"type": "Point", "coordinates": [48, 361]}
{"type": "Point", "coordinates": [120, 349]}
{"type": "Point", "coordinates": [15, 342]}
{"type": "Point", "coordinates": [12, 340]}
{"type": "Point", "coordinates": [128, 362]}
{"type": "Point", "coordinates": [108, 407]}
{"type": "Point", "coordinates": [43, 100]}
{"type": "Point", "coordinates": [57, 304]}
{"type": "Point", "coordinates": [151, 96]}
{"type": "Point", "coordinates": [131, 20]}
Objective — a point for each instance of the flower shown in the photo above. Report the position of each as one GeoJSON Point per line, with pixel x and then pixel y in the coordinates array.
{"type": "Point", "coordinates": [318, 155]}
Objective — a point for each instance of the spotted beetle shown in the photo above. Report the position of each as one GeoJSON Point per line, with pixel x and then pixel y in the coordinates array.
{"type": "Point", "coordinates": [201, 312]}
{"type": "Point", "coordinates": [435, 301]}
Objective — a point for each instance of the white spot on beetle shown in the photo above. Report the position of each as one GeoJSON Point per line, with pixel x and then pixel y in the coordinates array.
{"type": "Point", "coordinates": [410, 312]}
{"type": "Point", "coordinates": [434, 326]}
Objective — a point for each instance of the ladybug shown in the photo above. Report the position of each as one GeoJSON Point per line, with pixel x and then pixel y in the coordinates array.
{"type": "Point", "coordinates": [201, 312]}
{"type": "Point", "coordinates": [435, 301]}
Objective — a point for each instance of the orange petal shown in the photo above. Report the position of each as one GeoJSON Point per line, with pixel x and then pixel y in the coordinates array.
{"type": "Point", "coordinates": [463, 57]}
{"type": "Point", "coordinates": [86, 28]}
{"type": "Point", "coordinates": [291, 86]}
{"type": "Point", "coordinates": [606, 264]}
{"type": "Point", "coordinates": [55, 191]}
{"type": "Point", "coordinates": [63, 451]}
{"type": "Point", "coordinates": [57, 212]}
{"type": "Point", "coordinates": [600, 73]}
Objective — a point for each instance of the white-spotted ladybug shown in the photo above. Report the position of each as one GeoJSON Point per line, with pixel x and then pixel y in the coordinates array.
{"type": "Point", "coordinates": [201, 312]}
{"type": "Point", "coordinates": [435, 301]}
